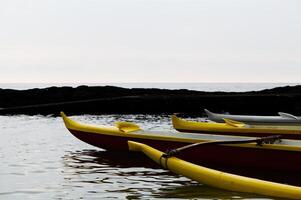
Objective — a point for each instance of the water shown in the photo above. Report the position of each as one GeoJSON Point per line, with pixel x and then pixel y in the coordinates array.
{"type": "Point", "coordinates": [40, 159]}
{"type": "Point", "coordinates": [228, 87]}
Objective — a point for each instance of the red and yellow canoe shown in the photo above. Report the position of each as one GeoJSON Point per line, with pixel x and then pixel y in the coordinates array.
{"type": "Point", "coordinates": [283, 158]}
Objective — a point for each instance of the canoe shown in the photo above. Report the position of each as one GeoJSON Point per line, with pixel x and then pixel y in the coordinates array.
{"type": "Point", "coordinates": [282, 158]}
{"type": "Point", "coordinates": [283, 119]}
{"type": "Point", "coordinates": [231, 127]}
{"type": "Point", "coordinates": [216, 178]}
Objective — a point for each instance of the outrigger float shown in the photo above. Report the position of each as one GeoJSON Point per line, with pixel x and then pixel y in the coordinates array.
{"type": "Point", "coordinates": [216, 178]}
{"type": "Point", "coordinates": [278, 161]}
{"type": "Point", "coordinates": [232, 127]}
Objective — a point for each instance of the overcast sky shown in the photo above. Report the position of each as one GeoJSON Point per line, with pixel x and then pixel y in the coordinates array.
{"type": "Point", "coordinates": [150, 41]}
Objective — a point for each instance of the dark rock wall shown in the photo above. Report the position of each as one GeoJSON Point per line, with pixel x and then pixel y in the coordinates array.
{"type": "Point", "coordinates": [100, 100]}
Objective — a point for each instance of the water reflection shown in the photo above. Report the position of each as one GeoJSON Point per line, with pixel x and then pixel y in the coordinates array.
{"type": "Point", "coordinates": [108, 158]}
{"type": "Point", "coordinates": [133, 176]}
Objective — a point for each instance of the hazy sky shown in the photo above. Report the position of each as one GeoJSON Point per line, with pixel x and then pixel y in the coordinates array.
{"type": "Point", "coordinates": [150, 41]}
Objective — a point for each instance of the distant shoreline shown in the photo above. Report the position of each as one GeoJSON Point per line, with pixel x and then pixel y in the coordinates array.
{"type": "Point", "coordinates": [109, 99]}
{"type": "Point", "coordinates": [201, 86]}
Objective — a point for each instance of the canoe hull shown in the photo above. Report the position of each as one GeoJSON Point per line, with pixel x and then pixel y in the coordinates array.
{"type": "Point", "coordinates": [260, 163]}
{"type": "Point", "coordinates": [255, 120]}
{"type": "Point", "coordinates": [241, 129]}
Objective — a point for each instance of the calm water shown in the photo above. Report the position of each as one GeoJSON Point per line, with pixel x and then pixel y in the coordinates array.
{"type": "Point", "coordinates": [235, 87]}
{"type": "Point", "coordinates": [40, 159]}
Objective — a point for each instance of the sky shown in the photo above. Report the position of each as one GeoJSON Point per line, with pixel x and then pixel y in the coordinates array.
{"type": "Point", "coordinates": [97, 41]}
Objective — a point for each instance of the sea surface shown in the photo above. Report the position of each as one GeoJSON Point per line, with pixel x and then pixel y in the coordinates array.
{"type": "Point", "coordinates": [40, 159]}
{"type": "Point", "coordinates": [227, 87]}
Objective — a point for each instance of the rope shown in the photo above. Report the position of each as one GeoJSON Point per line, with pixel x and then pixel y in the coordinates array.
{"type": "Point", "coordinates": [259, 141]}
{"type": "Point", "coordinates": [166, 159]}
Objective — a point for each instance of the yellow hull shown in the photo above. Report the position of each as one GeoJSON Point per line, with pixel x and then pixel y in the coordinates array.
{"type": "Point", "coordinates": [216, 178]}
{"type": "Point", "coordinates": [231, 127]}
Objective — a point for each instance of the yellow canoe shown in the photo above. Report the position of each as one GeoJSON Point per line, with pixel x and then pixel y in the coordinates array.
{"type": "Point", "coordinates": [216, 178]}
{"type": "Point", "coordinates": [231, 127]}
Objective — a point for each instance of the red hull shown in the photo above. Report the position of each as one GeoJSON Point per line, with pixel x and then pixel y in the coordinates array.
{"type": "Point", "coordinates": [261, 163]}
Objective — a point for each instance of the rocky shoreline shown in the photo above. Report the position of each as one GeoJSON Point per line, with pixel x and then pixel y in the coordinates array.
{"type": "Point", "coordinates": [116, 100]}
